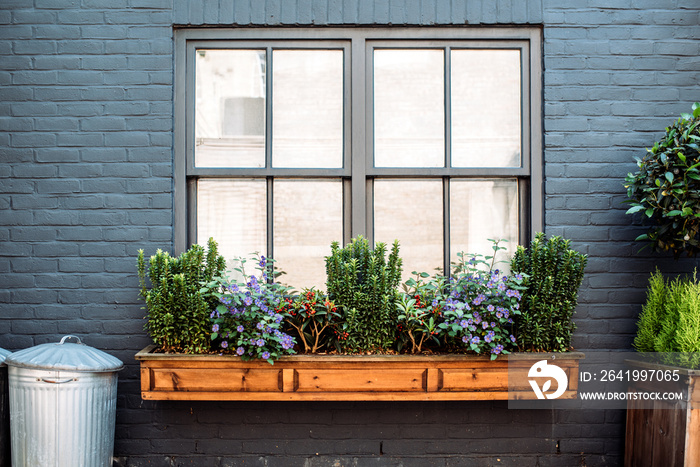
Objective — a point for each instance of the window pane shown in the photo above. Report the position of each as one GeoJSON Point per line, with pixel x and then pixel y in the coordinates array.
{"type": "Point", "coordinates": [409, 108]}
{"type": "Point", "coordinates": [229, 108]}
{"type": "Point", "coordinates": [233, 212]}
{"type": "Point", "coordinates": [486, 124]}
{"type": "Point", "coordinates": [483, 209]}
{"type": "Point", "coordinates": [307, 108]}
{"type": "Point", "coordinates": [411, 211]}
{"type": "Point", "coordinates": [308, 216]}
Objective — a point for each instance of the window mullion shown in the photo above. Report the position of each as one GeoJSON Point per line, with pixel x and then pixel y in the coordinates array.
{"type": "Point", "coordinates": [268, 107]}
{"type": "Point", "coordinates": [446, 224]}
{"type": "Point", "coordinates": [268, 154]}
{"type": "Point", "coordinates": [448, 109]}
{"type": "Point", "coordinates": [448, 163]}
{"type": "Point", "coordinates": [360, 108]}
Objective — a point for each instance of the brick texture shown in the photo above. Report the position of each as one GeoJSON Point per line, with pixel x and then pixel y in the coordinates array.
{"type": "Point", "coordinates": [86, 180]}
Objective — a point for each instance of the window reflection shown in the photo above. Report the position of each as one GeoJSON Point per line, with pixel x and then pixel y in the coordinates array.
{"type": "Point", "coordinates": [409, 108]}
{"type": "Point", "coordinates": [411, 211]}
{"type": "Point", "coordinates": [483, 209]}
{"type": "Point", "coordinates": [486, 122]}
{"type": "Point", "coordinates": [307, 108]}
{"type": "Point", "coordinates": [308, 217]}
{"type": "Point", "coordinates": [230, 108]}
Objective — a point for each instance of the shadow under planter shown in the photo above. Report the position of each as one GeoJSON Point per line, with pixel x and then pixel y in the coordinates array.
{"type": "Point", "coordinates": [343, 377]}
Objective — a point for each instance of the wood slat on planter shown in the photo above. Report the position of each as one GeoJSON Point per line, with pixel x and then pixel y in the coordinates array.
{"type": "Point", "coordinates": [326, 377]}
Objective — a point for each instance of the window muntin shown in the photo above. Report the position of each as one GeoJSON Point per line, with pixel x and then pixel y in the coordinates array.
{"type": "Point", "coordinates": [464, 180]}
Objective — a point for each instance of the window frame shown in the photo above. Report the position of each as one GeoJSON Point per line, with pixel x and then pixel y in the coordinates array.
{"type": "Point", "coordinates": [358, 171]}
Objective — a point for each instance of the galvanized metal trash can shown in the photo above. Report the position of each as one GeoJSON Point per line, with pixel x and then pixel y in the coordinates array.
{"type": "Point", "coordinates": [4, 412]}
{"type": "Point", "coordinates": [62, 405]}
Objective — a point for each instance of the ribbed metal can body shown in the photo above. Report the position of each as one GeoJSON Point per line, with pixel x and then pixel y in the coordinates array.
{"type": "Point", "coordinates": [62, 418]}
{"type": "Point", "coordinates": [4, 419]}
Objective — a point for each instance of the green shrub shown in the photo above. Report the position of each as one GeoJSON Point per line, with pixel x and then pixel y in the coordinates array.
{"type": "Point", "coordinates": [553, 274]}
{"type": "Point", "coordinates": [178, 314]}
{"type": "Point", "coordinates": [670, 320]}
{"type": "Point", "coordinates": [364, 286]}
{"type": "Point", "coordinates": [652, 316]}
{"type": "Point", "coordinates": [666, 188]}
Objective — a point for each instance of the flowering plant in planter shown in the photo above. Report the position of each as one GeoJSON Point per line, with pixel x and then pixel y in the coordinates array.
{"type": "Point", "coordinates": [313, 319]}
{"type": "Point", "coordinates": [480, 305]}
{"type": "Point", "coordinates": [249, 319]}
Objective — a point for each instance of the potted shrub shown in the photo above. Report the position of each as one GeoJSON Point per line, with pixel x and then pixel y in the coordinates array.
{"type": "Point", "coordinates": [666, 188]}
{"type": "Point", "coordinates": [178, 314]}
{"type": "Point", "coordinates": [668, 339]}
{"type": "Point", "coordinates": [552, 273]}
{"type": "Point", "coordinates": [437, 341]}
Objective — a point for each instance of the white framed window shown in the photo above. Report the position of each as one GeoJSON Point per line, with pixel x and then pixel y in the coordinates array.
{"type": "Point", "coordinates": [289, 139]}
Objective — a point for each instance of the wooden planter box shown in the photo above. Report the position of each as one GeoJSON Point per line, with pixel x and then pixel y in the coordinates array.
{"type": "Point", "coordinates": [663, 432]}
{"type": "Point", "coordinates": [340, 378]}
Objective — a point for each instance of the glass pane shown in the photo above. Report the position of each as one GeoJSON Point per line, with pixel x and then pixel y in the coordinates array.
{"type": "Point", "coordinates": [229, 122]}
{"type": "Point", "coordinates": [308, 216]}
{"type": "Point", "coordinates": [307, 108]}
{"type": "Point", "coordinates": [409, 108]}
{"type": "Point", "coordinates": [233, 212]}
{"type": "Point", "coordinates": [483, 209]}
{"type": "Point", "coordinates": [486, 124]}
{"type": "Point", "coordinates": [411, 211]}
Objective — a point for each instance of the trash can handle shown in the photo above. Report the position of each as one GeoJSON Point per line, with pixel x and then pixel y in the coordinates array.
{"type": "Point", "coordinates": [55, 381]}
{"type": "Point", "coordinates": [68, 337]}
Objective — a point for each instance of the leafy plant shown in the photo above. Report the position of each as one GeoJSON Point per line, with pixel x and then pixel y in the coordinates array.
{"type": "Point", "coordinates": [666, 188]}
{"type": "Point", "coordinates": [178, 314]}
{"type": "Point", "coordinates": [553, 274]}
{"type": "Point", "coordinates": [248, 320]}
{"type": "Point", "coordinates": [670, 320]}
{"type": "Point", "coordinates": [653, 314]}
{"type": "Point", "coordinates": [420, 312]}
{"type": "Point", "coordinates": [363, 283]}
{"type": "Point", "coordinates": [480, 305]}
{"type": "Point", "coordinates": [313, 318]}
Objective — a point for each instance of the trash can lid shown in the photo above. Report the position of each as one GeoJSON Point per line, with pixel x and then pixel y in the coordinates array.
{"type": "Point", "coordinates": [3, 355]}
{"type": "Point", "coordinates": [65, 356]}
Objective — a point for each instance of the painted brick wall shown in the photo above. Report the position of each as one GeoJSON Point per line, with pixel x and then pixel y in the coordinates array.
{"type": "Point", "coordinates": [86, 180]}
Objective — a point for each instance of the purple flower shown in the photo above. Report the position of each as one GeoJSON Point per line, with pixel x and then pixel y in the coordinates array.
{"type": "Point", "coordinates": [476, 340]}
{"type": "Point", "coordinates": [215, 328]}
{"type": "Point", "coordinates": [484, 325]}
{"type": "Point", "coordinates": [490, 308]}
{"type": "Point", "coordinates": [265, 355]}
{"type": "Point", "coordinates": [240, 350]}
{"type": "Point", "coordinates": [512, 338]}
{"type": "Point", "coordinates": [224, 344]}
{"type": "Point", "coordinates": [260, 342]}
{"type": "Point", "coordinates": [497, 350]}
{"type": "Point", "coordinates": [479, 299]}
{"type": "Point", "coordinates": [240, 328]}
{"type": "Point", "coordinates": [464, 323]}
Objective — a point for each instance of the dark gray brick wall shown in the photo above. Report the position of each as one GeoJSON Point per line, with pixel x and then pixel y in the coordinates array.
{"type": "Point", "coordinates": [86, 180]}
